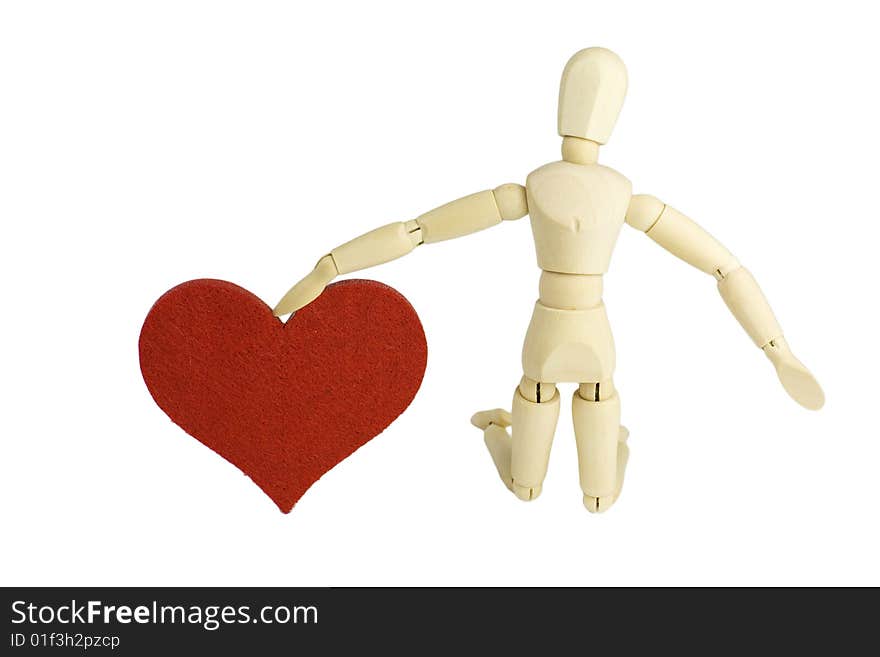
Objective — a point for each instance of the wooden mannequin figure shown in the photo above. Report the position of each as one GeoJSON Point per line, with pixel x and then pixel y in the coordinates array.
{"type": "Point", "coordinates": [577, 208]}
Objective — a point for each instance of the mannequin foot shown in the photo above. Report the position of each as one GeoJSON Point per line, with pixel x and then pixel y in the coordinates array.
{"type": "Point", "coordinates": [497, 416]}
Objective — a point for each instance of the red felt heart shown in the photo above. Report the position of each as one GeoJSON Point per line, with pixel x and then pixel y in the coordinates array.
{"type": "Point", "coordinates": [284, 402]}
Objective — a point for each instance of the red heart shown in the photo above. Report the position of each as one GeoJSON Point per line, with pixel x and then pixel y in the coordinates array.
{"type": "Point", "coordinates": [283, 402]}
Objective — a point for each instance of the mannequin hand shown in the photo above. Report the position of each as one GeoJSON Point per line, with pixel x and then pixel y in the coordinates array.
{"type": "Point", "coordinates": [795, 378]}
{"type": "Point", "coordinates": [309, 288]}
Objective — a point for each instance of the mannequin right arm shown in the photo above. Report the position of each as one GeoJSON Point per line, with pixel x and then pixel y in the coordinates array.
{"type": "Point", "coordinates": [456, 219]}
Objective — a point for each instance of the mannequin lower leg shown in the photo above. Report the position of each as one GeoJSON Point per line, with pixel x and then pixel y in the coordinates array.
{"type": "Point", "coordinates": [521, 458]}
{"type": "Point", "coordinates": [535, 412]}
{"type": "Point", "coordinates": [602, 451]}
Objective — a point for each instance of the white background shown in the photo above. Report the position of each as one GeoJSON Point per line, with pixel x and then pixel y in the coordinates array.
{"type": "Point", "coordinates": [145, 144]}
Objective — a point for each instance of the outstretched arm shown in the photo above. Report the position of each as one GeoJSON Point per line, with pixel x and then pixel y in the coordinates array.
{"type": "Point", "coordinates": [685, 239]}
{"type": "Point", "coordinates": [456, 219]}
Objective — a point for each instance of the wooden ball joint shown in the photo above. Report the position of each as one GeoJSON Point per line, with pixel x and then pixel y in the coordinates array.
{"type": "Point", "coordinates": [577, 208]}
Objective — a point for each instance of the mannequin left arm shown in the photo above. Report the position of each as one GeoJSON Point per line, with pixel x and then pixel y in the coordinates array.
{"type": "Point", "coordinates": [685, 239]}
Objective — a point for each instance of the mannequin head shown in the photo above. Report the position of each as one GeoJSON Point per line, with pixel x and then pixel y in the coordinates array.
{"type": "Point", "coordinates": [591, 94]}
